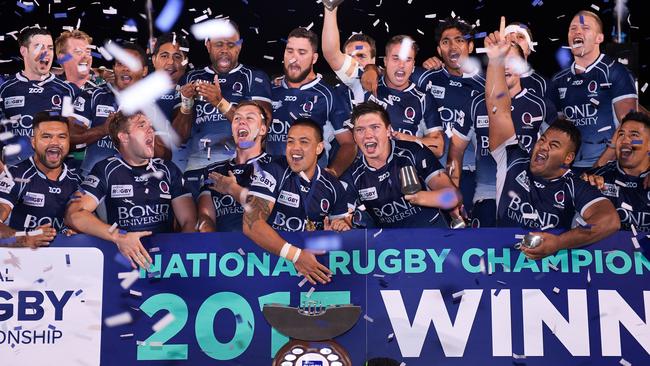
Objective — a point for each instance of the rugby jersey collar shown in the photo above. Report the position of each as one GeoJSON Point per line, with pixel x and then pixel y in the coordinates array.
{"type": "Point", "coordinates": [64, 171]}
{"type": "Point", "coordinates": [20, 76]}
{"type": "Point", "coordinates": [593, 64]}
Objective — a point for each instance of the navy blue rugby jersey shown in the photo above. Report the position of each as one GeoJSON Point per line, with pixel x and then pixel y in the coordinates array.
{"type": "Point", "coordinates": [524, 200]}
{"type": "Point", "coordinates": [34, 199]}
{"type": "Point", "coordinates": [587, 99]}
{"type": "Point", "coordinates": [380, 192]}
{"type": "Point", "coordinates": [314, 100]}
{"type": "Point", "coordinates": [228, 211]}
{"type": "Point", "coordinates": [297, 200]}
{"type": "Point", "coordinates": [137, 198]}
{"type": "Point", "coordinates": [21, 99]}
{"type": "Point", "coordinates": [411, 111]}
{"type": "Point", "coordinates": [453, 95]}
{"type": "Point", "coordinates": [528, 113]}
{"type": "Point", "coordinates": [241, 83]}
{"type": "Point", "coordinates": [626, 192]}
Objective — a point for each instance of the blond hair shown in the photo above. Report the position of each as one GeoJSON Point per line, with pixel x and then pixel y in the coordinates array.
{"type": "Point", "coordinates": [62, 39]}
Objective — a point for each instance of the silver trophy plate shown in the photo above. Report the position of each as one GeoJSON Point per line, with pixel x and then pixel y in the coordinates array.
{"type": "Point", "coordinates": [331, 4]}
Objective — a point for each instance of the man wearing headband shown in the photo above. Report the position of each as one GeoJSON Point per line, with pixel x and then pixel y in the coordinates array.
{"type": "Point", "coordinates": [520, 34]}
{"type": "Point", "coordinates": [595, 93]}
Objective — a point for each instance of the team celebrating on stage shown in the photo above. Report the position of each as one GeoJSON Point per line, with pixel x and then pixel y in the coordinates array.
{"type": "Point", "coordinates": [226, 148]}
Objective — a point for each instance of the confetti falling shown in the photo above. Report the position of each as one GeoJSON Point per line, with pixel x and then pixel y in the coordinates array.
{"type": "Point", "coordinates": [368, 319]}
{"type": "Point", "coordinates": [119, 319]}
{"type": "Point", "coordinates": [163, 322]}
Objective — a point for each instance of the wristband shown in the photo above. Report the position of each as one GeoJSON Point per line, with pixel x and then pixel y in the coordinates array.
{"type": "Point", "coordinates": [226, 103]}
{"type": "Point", "coordinates": [20, 233]}
{"type": "Point", "coordinates": [297, 255]}
{"type": "Point", "coordinates": [285, 250]}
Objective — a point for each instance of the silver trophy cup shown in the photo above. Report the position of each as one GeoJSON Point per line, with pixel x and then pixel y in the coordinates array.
{"type": "Point", "coordinates": [409, 182]}
{"type": "Point", "coordinates": [331, 4]}
{"type": "Point", "coordinates": [529, 241]}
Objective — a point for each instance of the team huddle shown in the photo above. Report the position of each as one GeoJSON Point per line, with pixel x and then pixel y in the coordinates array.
{"type": "Point", "coordinates": [226, 148]}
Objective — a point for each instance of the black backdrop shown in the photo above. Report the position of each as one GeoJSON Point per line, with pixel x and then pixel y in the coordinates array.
{"type": "Point", "coordinates": [264, 23]}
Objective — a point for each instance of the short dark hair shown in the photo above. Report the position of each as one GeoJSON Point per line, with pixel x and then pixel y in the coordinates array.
{"type": "Point", "coordinates": [134, 47]}
{"type": "Point", "coordinates": [305, 33]}
{"type": "Point", "coordinates": [308, 122]}
{"type": "Point", "coordinates": [566, 126]}
{"type": "Point", "coordinates": [120, 123]}
{"type": "Point", "coordinates": [448, 23]}
{"type": "Point", "coordinates": [637, 116]}
{"type": "Point", "coordinates": [398, 40]}
{"type": "Point", "coordinates": [48, 116]}
{"type": "Point", "coordinates": [592, 15]}
{"type": "Point", "coordinates": [180, 39]}
{"type": "Point", "coordinates": [369, 107]}
{"type": "Point", "coordinates": [360, 37]}
{"type": "Point", "coordinates": [25, 35]}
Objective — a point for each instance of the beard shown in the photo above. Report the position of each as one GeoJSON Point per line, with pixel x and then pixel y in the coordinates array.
{"type": "Point", "coordinates": [300, 78]}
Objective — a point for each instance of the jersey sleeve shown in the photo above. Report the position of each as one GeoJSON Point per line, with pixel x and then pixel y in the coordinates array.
{"type": "Point", "coordinates": [432, 119]}
{"type": "Point", "coordinates": [553, 93]}
{"type": "Point", "coordinates": [9, 190]}
{"type": "Point", "coordinates": [95, 184]}
{"type": "Point", "coordinates": [477, 116]}
{"type": "Point", "coordinates": [427, 165]}
{"type": "Point", "coordinates": [340, 208]}
{"type": "Point", "coordinates": [622, 83]}
{"type": "Point", "coordinates": [265, 181]}
{"type": "Point", "coordinates": [338, 114]}
{"type": "Point", "coordinates": [177, 182]}
{"type": "Point", "coordinates": [260, 87]}
{"type": "Point", "coordinates": [585, 195]}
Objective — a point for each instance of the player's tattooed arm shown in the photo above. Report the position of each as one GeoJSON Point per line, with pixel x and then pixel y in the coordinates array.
{"type": "Point", "coordinates": [256, 209]}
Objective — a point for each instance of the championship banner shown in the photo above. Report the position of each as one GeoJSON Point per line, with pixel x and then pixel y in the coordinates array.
{"type": "Point", "coordinates": [427, 297]}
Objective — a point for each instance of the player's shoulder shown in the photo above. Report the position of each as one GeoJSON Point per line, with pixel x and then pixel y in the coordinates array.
{"type": "Point", "coordinates": [560, 76]}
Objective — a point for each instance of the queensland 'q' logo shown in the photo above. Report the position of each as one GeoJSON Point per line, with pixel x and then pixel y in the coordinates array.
{"type": "Point", "coordinates": [592, 87]}
{"type": "Point", "coordinates": [527, 119]}
{"type": "Point", "coordinates": [409, 113]}
{"type": "Point", "coordinates": [324, 205]}
{"type": "Point", "coordinates": [237, 87]}
{"type": "Point", "coordinates": [164, 187]}
{"type": "Point", "coordinates": [308, 106]}
{"type": "Point", "coordinates": [56, 100]}
{"type": "Point", "coordinates": [559, 197]}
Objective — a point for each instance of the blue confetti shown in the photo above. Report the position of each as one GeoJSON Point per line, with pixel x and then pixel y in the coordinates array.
{"type": "Point", "coordinates": [119, 258]}
{"type": "Point", "coordinates": [238, 318]}
{"type": "Point", "coordinates": [63, 59]}
{"type": "Point", "coordinates": [20, 327]}
{"type": "Point", "coordinates": [122, 232]}
{"type": "Point", "coordinates": [538, 3]}
{"type": "Point", "coordinates": [131, 23]}
{"type": "Point", "coordinates": [496, 292]}
{"type": "Point", "coordinates": [637, 142]}
{"type": "Point", "coordinates": [480, 35]}
{"type": "Point", "coordinates": [50, 326]}
{"type": "Point", "coordinates": [582, 19]}
{"type": "Point", "coordinates": [169, 15]}
{"type": "Point", "coordinates": [501, 95]}
{"type": "Point", "coordinates": [246, 144]}
{"type": "Point", "coordinates": [60, 15]}
{"type": "Point", "coordinates": [67, 260]}
{"type": "Point", "coordinates": [563, 57]}
{"type": "Point", "coordinates": [153, 274]}
{"type": "Point", "coordinates": [42, 56]}
{"type": "Point", "coordinates": [8, 241]}
{"type": "Point", "coordinates": [97, 55]}
{"type": "Point", "coordinates": [40, 280]}
{"type": "Point", "coordinates": [447, 198]}
{"type": "Point", "coordinates": [25, 7]}
{"type": "Point", "coordinates": [78, 292]}
{"type": "Point", "coordinates": [359, 47]}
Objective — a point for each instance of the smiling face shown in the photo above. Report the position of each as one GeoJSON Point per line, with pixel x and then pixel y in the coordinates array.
{"type": "Point", "coordinates": [585, 36]}
{"type": "Point", "coordinates": [553, 151]}
{"type": "Point", "coordinates": [38, 55]}
{"type": "Point", "coordinates": [454, 49]}
{"type": "Point", "coordinates": [399, 71]}
{"type": "Point", "coordinates": [633, 146]}
{"type": "Point", "coordinates": [248, 126]}
{"type": "Point", "coordinates": [170, 59]}
{"type": "Point", "coordinates": [299, 59]}
{"type": "Point", "coordinates": [224, 53]}
{"type": "Point", "coordinates": [372, 136]}
{"type": "Point", "coordinates": [125, 77]}
{"type": "Point", "coordinates": [78, 67]}
{"type": "Point", "coordinates": [51, 143]}
{"type": "Point", "coordinates": [303, 148]}
{"type": "Point", "coordinates": [139, 137]}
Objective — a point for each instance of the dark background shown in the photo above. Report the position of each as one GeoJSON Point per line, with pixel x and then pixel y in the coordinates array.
{"type": "Point", "coordinates": [274, 19]}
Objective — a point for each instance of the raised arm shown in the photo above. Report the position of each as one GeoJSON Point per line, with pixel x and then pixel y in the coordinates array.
{"type": "Point", "coordinates": [497, 98]}
{"type": "Point", "coordinates": [256, 212]}
{"type": "Point", "coordinates": [332, 44]}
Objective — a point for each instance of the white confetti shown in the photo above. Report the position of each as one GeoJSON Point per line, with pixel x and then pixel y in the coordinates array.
{"type": "Point", "coordinates": [624, 362]}
{"type": "Point", "coordinates": [626, 206]}
{"type": "Point", "coordinates": [378, 275]}
{"type": "Point", "coordinates": [135, 293]}
{"type": "Point", "coordinates": [530, 216]}
{"type": "Point", "coordinates": [112, 228]}
{"type": "Point", "coordinates": [430, 16]}
{"type": "Point", "coordinates": [213, 29]}
{"type": "Point", "coordinates": [375, 23]}
{"type": "Point", "coordinates": [119, 319]}
{"type": "Point", "coordinates": [367, 318]}
{"type": "Point", "coordinates": [144, 92]}
{"type": "Point", "coordinates": [405, 48]}
{"type": "Point", "coordinates": [201, 18]}
{"type": "Point", "coordinates": [377, 233]}
{"type": "Point", "coordinates": [552, 266]}
{"type": "Point", "coordinates": [519, 236]}
{"type": "Point", "coordinates": [605, 128]}
{"type": "Point", "coordinates": [310, 292]}
{"type": "Point", "coordinates": [126, 335]}
{"type": "Point", "coordinates": [595, 7]}
{"type": "Point", "coordinates": [35, 232]}
{"type": "Point", "coordinates": [128, 278]}
{"type": "Point", "coordinates": [556, 290]}
{"type": "Point", "coordinates": [269, 57]}
{"type": "Point", "coordinates": [154, 250]}
{"type": "Point", "coordinates": [110, 11]}
{"type": "Point", "coordinates": [635, 242]}
{"type": "Point", "coordinates": [633, 230]}
{"type": "Point", "coordinates": [302, 283]}
{"type": "Point", "coordinates": [124, 57]}
{"type": "Point", "coordinates": [549, 226]}
{"type": "Point", "coordinates": [644, 87]}
{"type": "Point", "coordinates": [241, 251]}
{"type": "Point", "coordinates": [163, 322]}
{"type": "Point", "coordinates": [588, 276]}
{"type": "Point", "coordinates": [458, 294]}
{"type": "Point", "coordinates": [594, 101]}
{"type": "Point", "coordinates": [518, 357]}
